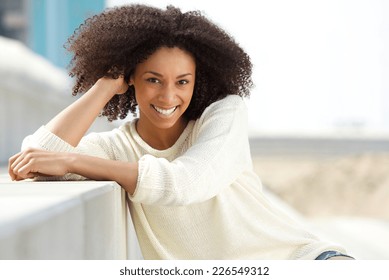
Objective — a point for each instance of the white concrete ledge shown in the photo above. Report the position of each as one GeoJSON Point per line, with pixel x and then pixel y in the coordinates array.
{"type": "Point", "coordinates": [88, 220]}
{"type": "Point", "coordinates": [62, 220]}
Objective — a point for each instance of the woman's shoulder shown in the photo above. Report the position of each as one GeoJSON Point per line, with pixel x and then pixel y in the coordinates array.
{"type": "Point", "coordinates": [227, 105]}
{"type": "Point", "coordinates": [222, 114]}
{"type": "Point", "coordinates": [230, 100]}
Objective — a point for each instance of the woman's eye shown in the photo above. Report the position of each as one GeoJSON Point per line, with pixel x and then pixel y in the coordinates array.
{"type": "Point", "coordinates": [183, 82]}
{"type": "Point", "coordinates": [153, 80]}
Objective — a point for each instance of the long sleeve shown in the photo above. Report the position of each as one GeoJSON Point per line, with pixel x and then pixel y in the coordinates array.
{"type": "Point", "coordinates": [94, 144]}
{"type": "Point", "coordinates": [113, 145]}
{"type": "Point", "coordinates": [218, 154]}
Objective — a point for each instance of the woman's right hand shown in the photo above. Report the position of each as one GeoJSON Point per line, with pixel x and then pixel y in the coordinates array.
{"type": "Point", "coordinates": [113, 86]}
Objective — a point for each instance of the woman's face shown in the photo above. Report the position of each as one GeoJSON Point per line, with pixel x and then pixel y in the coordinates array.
{"type": "Point", "coordinates": [164, 86]}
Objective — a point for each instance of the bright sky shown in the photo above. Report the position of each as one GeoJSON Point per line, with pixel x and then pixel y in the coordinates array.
{"type": "Point", "coordinates": [319, 66]}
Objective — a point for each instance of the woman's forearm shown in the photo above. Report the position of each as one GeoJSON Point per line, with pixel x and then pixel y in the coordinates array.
{"type": "Point", "coordinates": [124, 173]}
{"type": "Point", "coordinates": [72, 123]}
{"type": "Point", "coordinates": [34, 162]}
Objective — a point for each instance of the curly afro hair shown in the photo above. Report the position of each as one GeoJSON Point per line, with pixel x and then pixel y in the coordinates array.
{"type": "Point", "coordinates": [114, 42]}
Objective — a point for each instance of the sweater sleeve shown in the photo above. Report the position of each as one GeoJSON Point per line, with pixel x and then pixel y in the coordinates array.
{"type": "Point", "coordinates": [218, 155]}
{"type": "Point", "coordinates": [94, 144]}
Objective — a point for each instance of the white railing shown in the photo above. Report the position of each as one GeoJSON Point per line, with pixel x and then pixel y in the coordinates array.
{"type": "Point", "coordinates": [89, 220]}
{"type": "Point", "coordinates": [65, 220]}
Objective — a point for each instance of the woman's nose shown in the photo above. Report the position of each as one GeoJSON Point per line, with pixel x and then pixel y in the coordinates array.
{"type": "Point", "coordinates": [167, 94]}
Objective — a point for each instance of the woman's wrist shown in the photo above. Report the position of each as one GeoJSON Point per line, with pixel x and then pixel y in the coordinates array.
{"type": "Point", "coordinates": [110, 87]}
{"type": "Point", "coordinates": [70, 162]}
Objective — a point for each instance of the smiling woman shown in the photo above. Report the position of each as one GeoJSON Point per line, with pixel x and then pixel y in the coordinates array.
{"type": "Point", "coordinates": [163, 87]}
{"type": "Point", "coordinates": [185, 162]}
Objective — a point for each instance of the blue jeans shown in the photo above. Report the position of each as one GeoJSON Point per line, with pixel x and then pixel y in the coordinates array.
{"type": "Point", "coordinates": [329, 254]}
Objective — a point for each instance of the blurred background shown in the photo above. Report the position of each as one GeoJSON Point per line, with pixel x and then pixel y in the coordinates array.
{"type": "Point", "coordinates": [318, 115]}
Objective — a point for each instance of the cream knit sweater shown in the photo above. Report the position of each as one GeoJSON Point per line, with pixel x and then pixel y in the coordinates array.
{"type": "Point", "coordinates": [199, 199]}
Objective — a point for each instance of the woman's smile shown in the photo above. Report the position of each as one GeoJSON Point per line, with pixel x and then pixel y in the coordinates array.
{"type": "Point", "coordinates": [165, 112]}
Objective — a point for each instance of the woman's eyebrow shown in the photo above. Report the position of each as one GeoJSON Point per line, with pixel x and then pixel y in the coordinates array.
{"type": "Point", "coordinates": [160, 75]}
{"type": "Point", "coordinates": [183, 75]}
{"type": "Point", "coordinates": [154, 73]}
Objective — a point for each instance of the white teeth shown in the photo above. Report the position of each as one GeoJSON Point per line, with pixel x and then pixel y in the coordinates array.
{"type": "Point", "coordinates": [165, 112]}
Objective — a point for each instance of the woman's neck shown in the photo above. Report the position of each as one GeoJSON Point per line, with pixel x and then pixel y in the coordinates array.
{"type": "Point", "coordinates": [160, 138]}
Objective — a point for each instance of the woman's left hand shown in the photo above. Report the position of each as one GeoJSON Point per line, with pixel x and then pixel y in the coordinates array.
{"type": "Point", "coordinates": [33, 162]}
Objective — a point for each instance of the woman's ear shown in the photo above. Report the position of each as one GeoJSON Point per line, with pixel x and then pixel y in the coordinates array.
{"type": "Point", "coordinates": [131, 80]}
